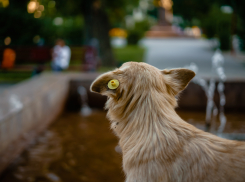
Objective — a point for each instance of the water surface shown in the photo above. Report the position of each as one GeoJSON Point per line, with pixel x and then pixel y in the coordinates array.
{"type": "Point", "coordinates": [82, 149]}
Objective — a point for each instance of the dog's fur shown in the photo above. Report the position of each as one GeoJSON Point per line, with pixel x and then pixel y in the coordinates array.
{"type": "Point", "coordinates": [157, 145]}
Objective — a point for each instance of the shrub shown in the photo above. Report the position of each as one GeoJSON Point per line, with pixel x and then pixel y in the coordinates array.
{"type": "Point", "coordinates": [138, 32]}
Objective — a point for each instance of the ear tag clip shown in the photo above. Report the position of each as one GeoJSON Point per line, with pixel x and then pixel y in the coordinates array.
{"type": "Point", "coordinates": [113, 84]}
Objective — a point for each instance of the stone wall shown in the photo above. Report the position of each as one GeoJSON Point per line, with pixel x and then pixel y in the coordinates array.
{"type": "Point", "coordinates": [192, 98]}
{"type": "Point", "coordinates": [28, 108]}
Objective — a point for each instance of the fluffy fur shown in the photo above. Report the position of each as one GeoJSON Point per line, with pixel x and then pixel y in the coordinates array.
{"type": "Point", "coordinates": [157, 145]}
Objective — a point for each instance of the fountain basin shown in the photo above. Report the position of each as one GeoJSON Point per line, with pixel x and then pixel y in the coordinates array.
{"type": "Point", "coordinates": [30, 107]}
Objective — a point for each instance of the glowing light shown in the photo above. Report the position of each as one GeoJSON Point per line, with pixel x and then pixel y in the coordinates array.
{"type": "Point", "coordinates": [32, 6]}
{"type": "Point", "coordinates": [51, 4]}
{"type": "Point", "coordinates": [166, 4]}
{"type": "Point", "coordinates": [36, 39]}
{"type": "Point", "coordinates": [7, 40]}
{"type": "Point", "coordinates": [226, 9]}
{"type": "Point", "coordinates": [58, 21]}
{"type": "Point", "coordinates": [118, 32]}
{"type": "Point", "coordinates": [4, 3]}
{"type": "Point", "coordinates": [196, 31]}
{"type": "Point", "coordinates": [37, 14]}
{"type": "Point", "coordinates": [41, 8]}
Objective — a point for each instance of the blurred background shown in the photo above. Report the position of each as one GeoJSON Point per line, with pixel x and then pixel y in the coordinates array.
{"type": "Point", "coordinates": [51, 51]}
{"type": "Point", "coordinates": [114, 30]}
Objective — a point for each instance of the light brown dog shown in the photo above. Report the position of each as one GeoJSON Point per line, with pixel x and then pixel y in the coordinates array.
{"type": "Point", "coordinates": [157, 145]}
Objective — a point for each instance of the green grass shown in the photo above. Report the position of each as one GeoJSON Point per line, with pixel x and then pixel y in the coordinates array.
{"type": "Point", "coordinates": [125, 54]}
{"type": "Point", "coordinates": [129, 53]}
{"type": "Point", "coordinates": [14, 76]}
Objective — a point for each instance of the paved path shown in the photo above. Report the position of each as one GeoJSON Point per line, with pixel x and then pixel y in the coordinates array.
{"type": "Point", "coordinates": [173, 53]}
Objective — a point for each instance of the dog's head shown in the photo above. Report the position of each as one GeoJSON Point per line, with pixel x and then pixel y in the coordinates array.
{"type": "Point", "coordinates": [142, 79]}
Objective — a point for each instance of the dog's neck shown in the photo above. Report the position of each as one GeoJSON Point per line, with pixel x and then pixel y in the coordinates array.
{"type": "Point", "coordinates": [147, 122]}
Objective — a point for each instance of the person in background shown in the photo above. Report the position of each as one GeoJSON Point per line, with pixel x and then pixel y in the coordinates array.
{"type": "Point", "coordinates": [9, 56]}
{"type": "Point", "coordinates": [61, 55]}
{"type": "Point", "coordinates": [91, 59]}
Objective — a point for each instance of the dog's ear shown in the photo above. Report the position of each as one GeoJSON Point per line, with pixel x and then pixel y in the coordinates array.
{"type": "Point", "coordinates": [177, 79]}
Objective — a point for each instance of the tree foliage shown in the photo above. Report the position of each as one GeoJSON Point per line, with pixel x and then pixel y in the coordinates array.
{"type": "Point", "coordinates": [18, 24]}
{"type": "Point", "coordinates": [21, 26]}
{"type": "Point", "coordinates": [214, 22]}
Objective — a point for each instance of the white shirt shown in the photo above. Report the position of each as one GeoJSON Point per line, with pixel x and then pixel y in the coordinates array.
{"type": "Point", "coordinates": [62, 56]}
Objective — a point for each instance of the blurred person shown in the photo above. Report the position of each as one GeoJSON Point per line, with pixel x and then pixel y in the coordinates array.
{"type": "Point", "coordinates": [91, 56]}
{"type": "Point", "coordinates": [9, 56]}
{"type": "Point", "coordinates": [61, 55]}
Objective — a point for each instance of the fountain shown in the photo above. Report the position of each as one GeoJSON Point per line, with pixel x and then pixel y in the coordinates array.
{"type": "Point", "coordinates": [85, 110]}
{"type": "Point", "coordinates": [209, 89]}
{"type": "Point", "coordinates": [74, 143]}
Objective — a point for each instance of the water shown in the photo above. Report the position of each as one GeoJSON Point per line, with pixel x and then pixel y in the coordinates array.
{"type": "Point", "coordinates": [235, 121]}
{"type": "Point", "coordinates": [218, 67]}
{"type": "Point", "coordinates": [76, 148]}
{"type": "Point", "coordinates": [85, 110]}
{"type": "Point", "coordinates": [209, 89]}
{"type": "Point", "coordinates": [73, 149]}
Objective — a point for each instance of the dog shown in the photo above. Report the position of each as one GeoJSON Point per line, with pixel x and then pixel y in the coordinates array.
{"type": "Point", "coordinates": [157, 145]}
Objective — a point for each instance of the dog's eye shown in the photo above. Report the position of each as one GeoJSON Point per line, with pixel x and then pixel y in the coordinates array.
{"type": "Point", "coordinates": [113, 84]}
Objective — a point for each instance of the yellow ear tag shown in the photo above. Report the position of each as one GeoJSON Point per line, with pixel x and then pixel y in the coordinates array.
{"type": "Point", "coordinates": [113, 84]}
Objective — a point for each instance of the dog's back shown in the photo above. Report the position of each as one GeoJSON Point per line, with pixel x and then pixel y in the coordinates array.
{"type": "Point", "coordinates": [207, 158]}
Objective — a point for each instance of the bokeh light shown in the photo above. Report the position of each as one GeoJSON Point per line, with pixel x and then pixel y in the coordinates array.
{"type": "Point", "coordinates": [37, 14]}
{"type": "Point", "coordinates": [51, 4]}
{"type": "Point", "coordinates": [36, 39]}
{"type": "Point", "coordinates": [4, 3]}
{"type": "Point", "coordinates": [32, 6]}
{"type": "Point", "coordinates": [167, 4]}
{"type": "Point", "coordinates": [7, 40]}
{"type": "Point", "coordinates": [41, 8]}
{"type": "Point", "coordinates": [226, 9]}
{"type": "Point", "coordinates": [196, 31]}
{"type": "Point", "coordinates": [35, 7]}
{"type": "Point", "coordinates": [118, 32]}
{"type": "Point", "coordinates": [58, 21]}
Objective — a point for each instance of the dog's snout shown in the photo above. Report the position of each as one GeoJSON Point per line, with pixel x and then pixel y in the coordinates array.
{"type": "Point", "coordinates": [95, 88]}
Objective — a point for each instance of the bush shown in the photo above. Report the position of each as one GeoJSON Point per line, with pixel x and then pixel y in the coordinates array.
{"type": "Point", "coordinates": [129, 53]}
{"type": "Point", "coordinates": [133, 37]}
{"type": "Point", "coordinates": [138, 32]}
{"type": "Point", "coordinates": [218, 24]}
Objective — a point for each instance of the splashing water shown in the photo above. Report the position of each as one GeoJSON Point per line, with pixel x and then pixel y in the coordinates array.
{"type": "Point", "coordinates": [217, 64]}
{"type": "Point", "coordinates": [86, 110]}
{"type": "Point", "coordinates": [209, 89]}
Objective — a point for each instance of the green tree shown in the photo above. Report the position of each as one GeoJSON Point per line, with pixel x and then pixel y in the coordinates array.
{"type": "Point", "coordinates": [16, 23]}
{"type": "Point", "coordinates": [93, 19]}
{"type": "Point", "coordinates": [98, 16]}
{"type": "Point", "coordinates": [212, 20]}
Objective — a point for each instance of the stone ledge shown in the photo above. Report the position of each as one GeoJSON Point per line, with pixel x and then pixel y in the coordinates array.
{"type": "Point", "coordinates": [192, 98]}
{"type": "Point", "coordinates": [27, 108]}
